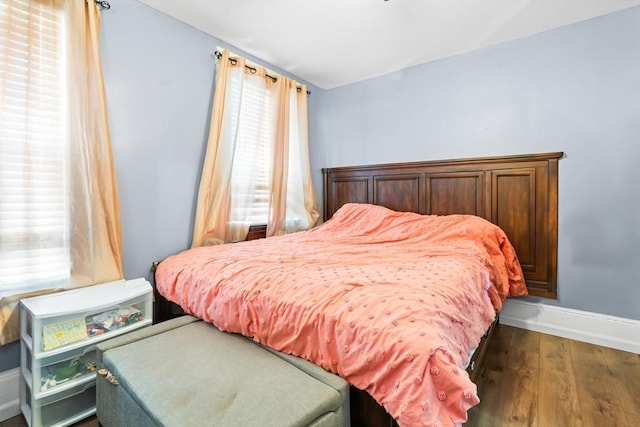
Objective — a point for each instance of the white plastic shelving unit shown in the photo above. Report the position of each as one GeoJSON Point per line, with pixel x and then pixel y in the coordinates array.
{"type": "Point", "coordinates": [59, 334]}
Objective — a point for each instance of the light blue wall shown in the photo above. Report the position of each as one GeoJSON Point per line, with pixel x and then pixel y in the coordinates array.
{"type": "Point", "coordinates": [574, 89]}
{"type": "Point", "coordinates": [159, 78]}
{"type": "Point", "coordinates": [9, 356]}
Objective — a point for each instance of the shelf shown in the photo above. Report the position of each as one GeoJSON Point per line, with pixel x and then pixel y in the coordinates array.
{"type": "Point", "coordinates": [62, 409]}
{"type": "Point", "coordinates": [94, 340]}
{"type": "Point", "coordinates": [54, 323]}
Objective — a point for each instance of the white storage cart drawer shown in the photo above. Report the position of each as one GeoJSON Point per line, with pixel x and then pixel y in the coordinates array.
{"type": "Point", "coordinates": [62, 409]}
{"type": "Point", "coordinates": [55, 323]}
{"type": "Point", "coordinates": [50, 374]}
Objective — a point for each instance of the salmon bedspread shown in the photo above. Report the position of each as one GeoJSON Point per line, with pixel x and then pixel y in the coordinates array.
{"type": "Point", "coordinates": [392, 302]}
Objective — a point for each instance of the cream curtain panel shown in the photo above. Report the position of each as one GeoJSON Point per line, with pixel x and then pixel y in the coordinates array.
{"type": "Point", "coordinates": [257, 154]}
{"type": "Point", "coordinates": [63, 121]}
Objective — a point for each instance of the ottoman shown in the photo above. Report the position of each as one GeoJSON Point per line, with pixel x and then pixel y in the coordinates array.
{"type": "Point", "coordinates": [185, 372]}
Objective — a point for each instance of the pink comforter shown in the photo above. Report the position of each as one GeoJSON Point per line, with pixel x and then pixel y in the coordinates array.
{"type": "Point", "coordinates": [392, 302]}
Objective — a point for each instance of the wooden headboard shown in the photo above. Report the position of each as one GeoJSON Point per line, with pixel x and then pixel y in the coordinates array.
{"type": "Point", "coordinates": [517, 193]}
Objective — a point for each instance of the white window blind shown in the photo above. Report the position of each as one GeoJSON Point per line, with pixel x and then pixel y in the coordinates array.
{"type": "Point", "coordinates": [252, 157]}
{"type": "Point", "coordinates": [34, 201]}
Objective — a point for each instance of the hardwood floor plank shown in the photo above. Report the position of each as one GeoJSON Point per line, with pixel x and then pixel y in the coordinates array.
{"type": "Point", "coordinates": [597, 392]}
{"type": "Point", "coordinates": [578, 384]}
{"type": "Point", "coordinates": [632, 419]}
{"type": "Point", "coordinates": [508, 386]}
{"type": "Point", "coordinates": [492, 387]}
{"type": "Point", "coordinates": [558, 397]}
{"type": "Point", "coordinates": [625, 370]}
{"type": "Point", "coordinates": [523, 372]}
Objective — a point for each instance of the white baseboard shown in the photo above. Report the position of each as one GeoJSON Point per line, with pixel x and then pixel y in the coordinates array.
{"type": "Point", "coordinates": [9, 393]}
{"type": "Point", "coordinates": [594, 328]}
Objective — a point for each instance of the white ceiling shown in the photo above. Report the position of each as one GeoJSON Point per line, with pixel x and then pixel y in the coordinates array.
{"type": "Point", "coordinates": [331, 43]}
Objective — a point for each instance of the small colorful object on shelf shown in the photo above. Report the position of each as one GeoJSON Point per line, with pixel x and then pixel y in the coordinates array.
{"type": "Point", "coordinates": [60, 373]}
{"type": "Point", "coordinates": [56, 335]}
{"type": "Point", "coordinates": [114, 319]}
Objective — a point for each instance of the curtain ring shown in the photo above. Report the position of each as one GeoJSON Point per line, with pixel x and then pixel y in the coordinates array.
{"type": "Point", "coordinates": [274, 79]}
{"type": "Point", "coordinates": [233, 61]}
{"type": "Point", "coordinates": [103, 4]}
{"type": "Point", "coordinates": [253, 70]}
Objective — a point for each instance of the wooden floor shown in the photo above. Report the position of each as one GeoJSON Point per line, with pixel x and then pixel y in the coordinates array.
{"type": "Point", "coordinates": [532, 379]}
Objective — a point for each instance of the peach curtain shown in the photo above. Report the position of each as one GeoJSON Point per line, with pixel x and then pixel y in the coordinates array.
{"type": "Point", "coordinates": [292, 204]}
{"type": "Point", "coordinates": [94, 236]}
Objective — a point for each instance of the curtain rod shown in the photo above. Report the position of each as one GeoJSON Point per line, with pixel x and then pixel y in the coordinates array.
{"type": "Point", "coordinates": [103, 4]}
{"type": "Point", "coordinates": [234, 61]}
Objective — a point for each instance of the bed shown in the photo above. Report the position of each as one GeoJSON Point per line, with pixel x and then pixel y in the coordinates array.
{"type": "Point", "coordinates": [376, 304]}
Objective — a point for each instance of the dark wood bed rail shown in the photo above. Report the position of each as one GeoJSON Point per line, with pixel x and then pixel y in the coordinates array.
{"type": "Point", "coordinates": [518, 193]}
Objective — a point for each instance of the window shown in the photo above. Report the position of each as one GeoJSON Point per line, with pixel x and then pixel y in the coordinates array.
{"type": "Point", "coordinates": [256, 168]}
{"type": "Point", "coordinates": [250, 176]}
{"type": "Point", "coordinates": [252, 121]}
{"type": "Point", "coordinates": [34, 201]}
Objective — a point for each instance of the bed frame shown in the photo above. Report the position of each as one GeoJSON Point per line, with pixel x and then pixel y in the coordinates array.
{"type": "Point", "coordinates": [517, 193]}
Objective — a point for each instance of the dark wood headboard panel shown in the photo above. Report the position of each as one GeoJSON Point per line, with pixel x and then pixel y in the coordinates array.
{"type": "Point", "coordinates": [517, 193]}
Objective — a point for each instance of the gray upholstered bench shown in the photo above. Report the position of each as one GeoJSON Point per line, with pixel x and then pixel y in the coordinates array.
{"type": "Point", "coordinates": [185, 372]}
